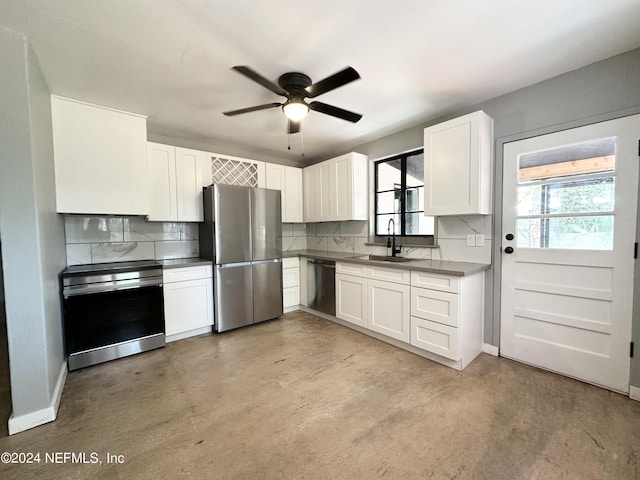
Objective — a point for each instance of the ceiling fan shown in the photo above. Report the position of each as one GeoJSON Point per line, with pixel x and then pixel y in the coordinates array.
{"type": "Point", "coordinates": [296, 86]}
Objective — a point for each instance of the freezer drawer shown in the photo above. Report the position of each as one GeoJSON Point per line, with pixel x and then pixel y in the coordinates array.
{"type": "Point", "coordinates": [233, 296]}
{"type": "Point", "coordinates": [267, 290]}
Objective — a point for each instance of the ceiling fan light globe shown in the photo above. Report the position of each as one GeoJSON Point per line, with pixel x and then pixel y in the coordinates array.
{"type": "Point", "coordinates": [295, 111]}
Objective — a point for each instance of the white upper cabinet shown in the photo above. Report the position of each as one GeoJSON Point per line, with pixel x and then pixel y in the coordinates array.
{"type": "Point", "coordinates": [336, 189]}
{"type": "Point", "coordinates": [193, 171]}
{"type": "Point", "coordinates": [175, 179]}
{"type": "Point", "coordinates": [100, 159]}
{"type": "Point", "coordinates": [317, 192]}
{"type": "Point", "coordinates": [289, 181]}
{"type": "Point", "coordinates": [457, 166]}
{"type": "Point", "coordinates": [161, 173]}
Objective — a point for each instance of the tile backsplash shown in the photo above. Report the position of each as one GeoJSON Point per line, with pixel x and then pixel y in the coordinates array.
{"type": "Point", "coordinates": [353, 237]}
{"type": "Point", "coordinates": [98, 239]}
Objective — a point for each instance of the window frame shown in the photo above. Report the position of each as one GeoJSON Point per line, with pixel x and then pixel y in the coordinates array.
{"type": "Point", "coordinates": [381, 238]}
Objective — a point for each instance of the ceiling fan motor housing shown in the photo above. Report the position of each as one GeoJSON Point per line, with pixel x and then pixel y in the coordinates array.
{"type": "Point", "coordinates": [295, 83]}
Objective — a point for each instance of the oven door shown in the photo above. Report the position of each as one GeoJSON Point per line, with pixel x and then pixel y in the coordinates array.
{"type": "Point", "coordinates": [93, 321]}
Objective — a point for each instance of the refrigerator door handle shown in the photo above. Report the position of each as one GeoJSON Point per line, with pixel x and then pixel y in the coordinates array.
{"type": "Point", "coordinates": [233, 265]}
{"type": "Point", "coordinates": [273, 260]}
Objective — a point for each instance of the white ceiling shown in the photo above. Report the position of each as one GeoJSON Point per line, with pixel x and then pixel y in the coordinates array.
{"type": "Point", "coordinates": [418, 59]}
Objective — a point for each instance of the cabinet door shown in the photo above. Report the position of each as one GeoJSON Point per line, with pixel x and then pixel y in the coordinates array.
{"type": "Point", "coordinates": [310, 190]}
{"type": "Point", "coordinates": [100, 159]}
{"type": "Point", "coordinates": [161, 174]}
{"type": "Point", "coordinates": [292, 212]}
{"type": "Point", "coordinates": [189, 166]}
{"type": "Point", "coordinates": [188, 305]}
{"type": "Point", "coordinates": [351, 299]}
{"type": "Point", "coordinates": [324, 192]}
{"type": "Point", "coordinates": [457, 166]}
{"type": "Point", "coordinates": [274, 176]}
{"type": "Point", "coordinates": [388, 309]}
{"type": "Point", "coordinates": [342, 178]}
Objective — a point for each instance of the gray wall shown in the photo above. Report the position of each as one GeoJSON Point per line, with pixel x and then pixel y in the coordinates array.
{"type": "Point", "coordinates": [601, 91]}
{"type": "Point", "coordinates": [32, 233]}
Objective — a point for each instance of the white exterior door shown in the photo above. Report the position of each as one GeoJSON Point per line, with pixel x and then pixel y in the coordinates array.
{"type": "Point", "coordinates": [568, 236]}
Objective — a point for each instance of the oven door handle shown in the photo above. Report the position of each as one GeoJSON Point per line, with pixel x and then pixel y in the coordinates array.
{"type": "Point", "coordinates": [104, 287]}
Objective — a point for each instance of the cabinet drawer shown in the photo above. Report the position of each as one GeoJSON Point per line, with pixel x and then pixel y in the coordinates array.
{"type": "Point", "coordinates": [436, 338]}
{"type": "Point", "coordinates": [290, 297]}
{"type": "Point", "coordinates": [290, 277]}
{"type": "Point", "coordinates": [395, 275]}
{"type": "Point", "coordinates": [186, 273]}
{"type": "Point", "coordinates": [441, 307]}
{"type": "Point", "coordinates": [351, 269]}
{"type": "Point", "coordinates": [444, 283]}
{"type": "Point", "coordinates": [291, 262]}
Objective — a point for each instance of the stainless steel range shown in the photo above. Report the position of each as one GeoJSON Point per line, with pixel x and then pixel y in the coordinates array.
{"type": "Point", "coordinates": [112, 310]}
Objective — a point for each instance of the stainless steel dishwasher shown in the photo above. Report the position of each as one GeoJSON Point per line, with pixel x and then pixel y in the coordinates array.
{"type": "Point", "coordinates": [321, 285]}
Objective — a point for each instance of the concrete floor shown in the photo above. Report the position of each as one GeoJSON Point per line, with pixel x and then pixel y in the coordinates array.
{"type": "Point", "coordinates": [304, 398]}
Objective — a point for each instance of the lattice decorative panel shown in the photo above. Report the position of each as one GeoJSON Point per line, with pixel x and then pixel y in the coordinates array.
{"type": "Point", "coordinates": [234, 172]}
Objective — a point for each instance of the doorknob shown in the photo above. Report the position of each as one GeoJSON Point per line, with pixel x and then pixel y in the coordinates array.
{"type": "Point", "coordinates": [509, 236]}
{"type": "Point", "coordinates": [508, 250]}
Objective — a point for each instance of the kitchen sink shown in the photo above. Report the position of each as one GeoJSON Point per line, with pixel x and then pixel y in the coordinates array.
{"type": "Point", "coordinates": [383, 258]}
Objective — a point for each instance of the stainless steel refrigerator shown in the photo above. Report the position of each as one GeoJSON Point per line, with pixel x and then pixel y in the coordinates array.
{"type": "Point", "coordinates": [242, 234]}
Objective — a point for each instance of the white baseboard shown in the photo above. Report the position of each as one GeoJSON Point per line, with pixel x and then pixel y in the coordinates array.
{"type": "Point", "coordinates": [634, 393]}
{"type": "Point", "coordinates": [187, 334]}
{"type": "Point", "coordinates": [490, 349]}
{"type": "Point", "coordinates": [39, 417]}
{"type": "Point", "coordinates": [291, 309]}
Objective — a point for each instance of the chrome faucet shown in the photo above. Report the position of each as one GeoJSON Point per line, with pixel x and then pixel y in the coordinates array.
{"type": "Point", "coordinates": [391, 238]}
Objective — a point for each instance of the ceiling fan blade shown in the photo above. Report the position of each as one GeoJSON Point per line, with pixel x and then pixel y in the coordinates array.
{"type": "Point", "coordinates": [231, 113]}
{"type": "Point", "coordinates": [334, 81]}
{"type": "Point", "coordinates": [293, 127]}
{"type": "Point", "coordinates": [335, 111]}
{"type": "Point", "coordinates": [256, 77]}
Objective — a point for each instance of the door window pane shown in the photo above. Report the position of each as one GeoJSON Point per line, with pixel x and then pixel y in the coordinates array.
{"type": "Point", "coordinates": [585, 233]}
{"type": "Point", "coordinates": [566, 197]}
{"type": "Point", "coordinates": [571, 197]}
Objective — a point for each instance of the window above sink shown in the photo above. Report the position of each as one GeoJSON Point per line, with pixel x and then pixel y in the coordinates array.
{"type": "Point", "coordinates": [399, 196]}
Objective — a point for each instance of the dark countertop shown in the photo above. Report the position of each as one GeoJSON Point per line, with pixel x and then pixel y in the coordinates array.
{"type": "Point", "coordinates": [442, 267]}
{"type": "Point", "coordinates": [184, 262]}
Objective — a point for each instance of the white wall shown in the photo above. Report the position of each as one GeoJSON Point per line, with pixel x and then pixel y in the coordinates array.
{"type": "Point", "coordinates": [33, 250]}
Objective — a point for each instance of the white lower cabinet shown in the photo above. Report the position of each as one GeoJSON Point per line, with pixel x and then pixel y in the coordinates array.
{"type": "Point", "coordinates": [444, 320]}
{"type": "Point", "coordinates": [188, 301]}
{"type": "Point", "coordinates": [290, 283]}
{"type": "Point", "coordinates": [378, 305]}
{"type": "Point", "coordinates": [389, 309]}
{"type": "Point", "coordinates": [351, 299]}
